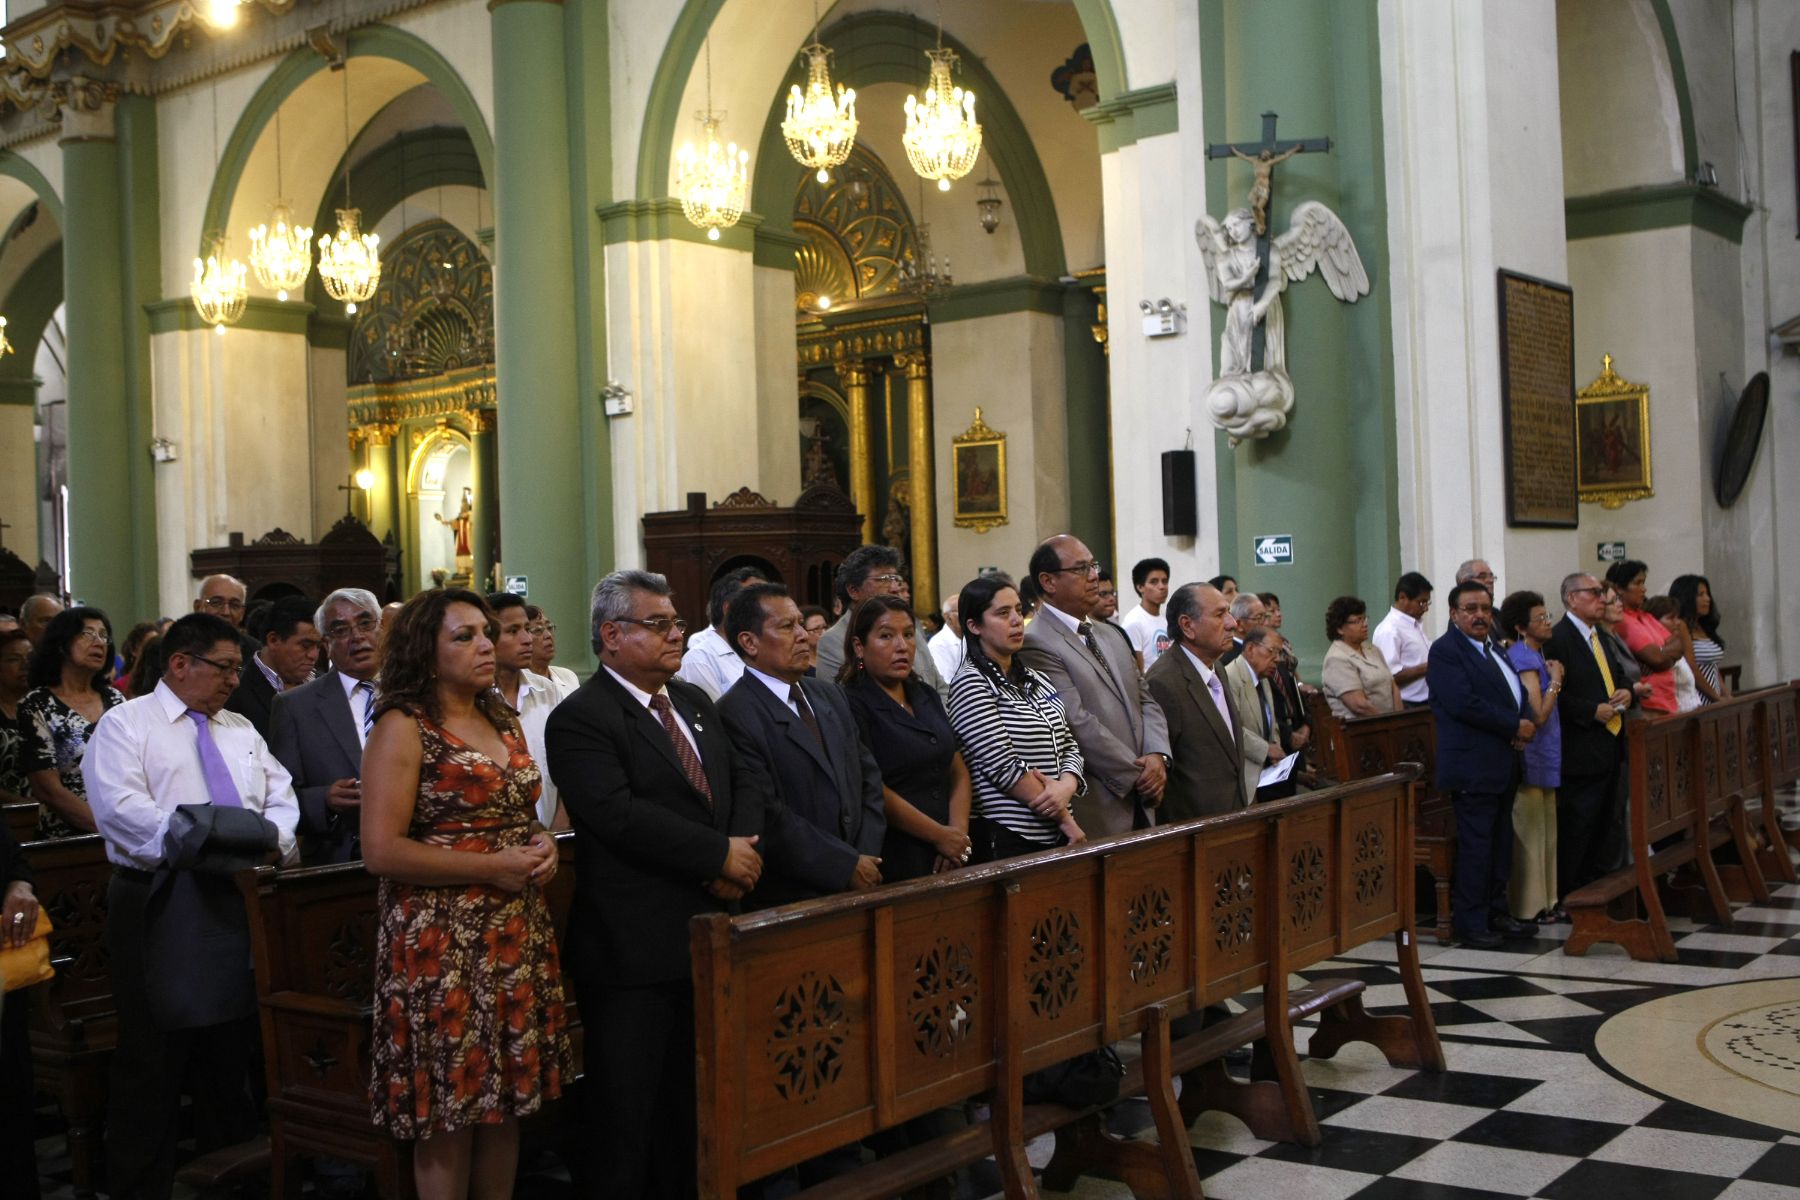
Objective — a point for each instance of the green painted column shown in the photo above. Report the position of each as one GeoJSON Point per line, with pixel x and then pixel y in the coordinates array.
{"type": "Point", "coordinates": [1327, 478]}
{"type": "Point", "coordinates": [140, 197]}
{"type": "Point", "coordinates": [540, 417]}
{"type": "Point", "coordinates": [101, 554]}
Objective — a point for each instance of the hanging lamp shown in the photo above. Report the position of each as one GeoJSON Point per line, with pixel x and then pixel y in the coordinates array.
{"type": "Point", "coordinates": [819, 129]}
{"type": "Point", "coordinates": [281, 247]}
{"type": "Point", "coordinates": [349, 265]}
{"type": "Point", "coordinates": [942, 138]}
{"type": "Point", "coordinates": [221, 285]}
{"type": "Point", "coordinates": [713, 184]}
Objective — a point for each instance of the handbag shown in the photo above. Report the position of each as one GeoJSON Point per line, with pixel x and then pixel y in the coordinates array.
{"type": "Point", "coordinates": [30, 963]}
{"type": "Point", "coordinates": [1085, 1081]}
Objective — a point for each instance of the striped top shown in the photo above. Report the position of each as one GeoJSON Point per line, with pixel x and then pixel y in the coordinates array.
{"type": "Point", "coordinates": [1708, 654]}
{"type": "Point", "coordinates": [1006, 730]}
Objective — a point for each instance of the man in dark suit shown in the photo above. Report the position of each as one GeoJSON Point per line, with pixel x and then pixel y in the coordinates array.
{"type": "Point", "coordinates": [1482, 719]}
{"type": "Point", "coordinates": [1123, 737]}
{"type": "Point", "coordinates": [1206, 777]}
{"type": "Point", "coordinates": [665, 821]}
{"type": "Point", "coordinates": [287, 651]}
{"type": "Point", "coordinates": [824, 819]}
{"type": "Point", "coordinates": [1594, 697]}
{"type": "Point", "coordinates": [318, 729]}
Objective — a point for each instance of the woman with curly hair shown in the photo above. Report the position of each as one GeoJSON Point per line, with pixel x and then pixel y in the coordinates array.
{"type": "Point", "coordinates": [71, 689]}
{"type": "Point", "coordinates": [469, 1023]}
{"type": "Point", "coordinates": [1355, 676]}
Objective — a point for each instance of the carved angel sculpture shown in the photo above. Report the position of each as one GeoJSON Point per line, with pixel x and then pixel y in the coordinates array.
{"type": "Point", "coordinates": [1248, 403]}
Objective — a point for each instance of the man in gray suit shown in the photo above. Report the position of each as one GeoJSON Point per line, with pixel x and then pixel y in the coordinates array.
{"type": "Point", "coordinates": [1207, 777]}
{"type": "Point", "coordinates": [870, 571]}
{"type": "Point", "coordinates": [1247, 681]}
{"type": "Point", "coordinates": [823, 820]}
{"type": "Point", "coordinates": [1123, 738]}
{"type": "Point", "coordinates": [317, 731]}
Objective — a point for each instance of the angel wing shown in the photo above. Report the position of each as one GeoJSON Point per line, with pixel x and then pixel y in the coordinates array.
{"type": "Point", "coordinates": [1316, 238]}
{"type": "Point", "coordinates": [1210, 234]}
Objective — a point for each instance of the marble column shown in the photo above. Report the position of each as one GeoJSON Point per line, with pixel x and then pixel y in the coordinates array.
{"type": "Point", "coordinates": [484, 477]}
{"type": "Point", "coordinates": [853, 373]}
{"type": "Point", "coordinates": [921, 483]}
{"type": "Point", "coordinates": [540, 454]}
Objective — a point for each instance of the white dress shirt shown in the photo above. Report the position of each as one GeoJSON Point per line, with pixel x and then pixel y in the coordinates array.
{"type": "Point", "coordinates": [1401, 639]}
{"type": "Point", "coordinates": [564, 678]}
{"type": "Point", "coordinates": [267, 673]}
{"type": "Point", "coordinates": [779, 688]}
{"type": "Point", "coordinates": [947, 651]}
{"type": "Point", "coordinates": [537, 697]}
{"type": "Point", "coordinates": [1512, 677]}
{"type": "Point", "coordinates": [710, 664]}
{"type": "Point", "coordinates": [143, 760]}
{"type": "Point", "coordinates": [642, 697]}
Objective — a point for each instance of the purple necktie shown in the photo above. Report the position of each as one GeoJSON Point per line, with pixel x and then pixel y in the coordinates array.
{"type": "Point", "coordinates": [1217, 689]}
{"type": "Point", "coordinates": [219, 787]}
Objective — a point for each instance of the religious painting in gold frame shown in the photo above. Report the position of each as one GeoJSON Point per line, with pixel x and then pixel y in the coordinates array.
{"type": "Point", "coordinates": [1612, 439]}
{"type": "Point", "coordinates": [978, 466]}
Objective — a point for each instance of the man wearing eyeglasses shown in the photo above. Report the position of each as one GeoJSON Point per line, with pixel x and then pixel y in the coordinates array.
{"type": "Point", "coordinates": [1119, 726]}
{"type": "Point", "coordinates": [870, 571]}
{"type": "Point", "coordinates": [318, 730]}
{"type": "Point", "coordinates": [179, 747]}
{"type": "Point", "coordinates": [225, 597]}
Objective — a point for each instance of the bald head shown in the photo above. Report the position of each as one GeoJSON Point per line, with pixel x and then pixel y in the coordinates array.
{"type": "Point", "coordinates": [35, 614]}
{"type": "Point", "coordinates": [222, 596]}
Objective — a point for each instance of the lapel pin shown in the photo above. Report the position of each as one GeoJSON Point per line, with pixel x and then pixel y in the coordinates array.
{"type": "Point", "coordinates": [698, 727]}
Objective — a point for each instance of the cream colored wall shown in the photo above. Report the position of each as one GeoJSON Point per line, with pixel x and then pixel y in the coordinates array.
{"type": "Point", "coordinates": [1621, 126]}
{"type": "Point", "coordinates": [777, 387]}
{"type": "Point", "coordinates": [329, 432]}
{"type": "Point", "coordinates": [1011, 366]}
{"type": "Point", "coordinates": [18, 481]}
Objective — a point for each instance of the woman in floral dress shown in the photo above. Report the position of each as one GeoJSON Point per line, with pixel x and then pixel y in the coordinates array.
{"type": "Point", "coordinates": [469, 1026]}
{"type": "Point", "coordinates": [71, 689]}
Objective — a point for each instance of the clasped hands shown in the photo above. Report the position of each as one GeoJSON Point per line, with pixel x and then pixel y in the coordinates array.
{"type": "Point", "coordinates": [743, 867]}
{"type": "Point", "coordinates": [1053, 799]}
{"type": "Point", "coordinates": [513, 867]}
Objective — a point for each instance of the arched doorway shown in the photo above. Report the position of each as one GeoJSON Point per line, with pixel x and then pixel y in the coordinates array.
{"type": "Point", "coordinates": [438, 487]}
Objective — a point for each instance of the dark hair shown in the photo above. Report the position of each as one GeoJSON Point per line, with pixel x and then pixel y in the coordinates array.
{"type": "Point", "coordinates": [195, 634]}
{"type": "Point", "coordinates": [1269, 598]}
{"type": "Point", "coordinates": [52, 650]}
{"type": "Point", "coordinates": [1468, 585]}
{"type": "Point", "coordinates": [1662, 606]}
{"type": "Point", "coordinates": [1104, 575]}
{"type": "Point", "coordinates": [1219, 581]}
{"type": "Point", "coordinates": [1140, 574]}
{"type": "Point", "coordinates": [16, 634]}
{"type": "Point", "coordinates": [533, 613]}
{"type": "Point", "coordinates": [286, 615]}
{"type": "Point", "coordinates": [972, 605]}
{"type": "Point", "coordinates": [1044, 561]}
{"type": "Point", "coordinates": [1685, 591]}
{"type": "Point", "coordinates": [861, 563]}
{"type": "Point", "coordinates": [148, 667]}
{"type": "Point", "coordinates": [1411, 586]}
{"type": "Point", "coordinates": [1338, 614]}
{"type": "Point", "coordinates": [1257, 636]}
{"type": "Point", "coordinates": [1621, 573]}
{"type": "Point", "coordinates": [809, 611]}
{"type": "Point", "coordinates": [1515, 613]}
{"type": "Point", "coordinates": [862, 619]}
{"type": "Point", "coordinates": [499, 602]}
{"type": "Point", "coordinates": [744, 612]}
{"type": "Point", "coordinates": [1184, 601]}
{"type": "Point", "coordinates": [256, 617]}
{"type": "Point", "coordinates": [722, 589]}
{"type": "Point", "coordinates": [133, 645]}
{"type": "Point", "coordinates": [408, 671]}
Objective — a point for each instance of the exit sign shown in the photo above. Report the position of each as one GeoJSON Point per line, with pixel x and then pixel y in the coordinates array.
{"type": "Point", "coordinates": [1611, 552]}
{"type": "Point", "coordinates": [1274, 550]}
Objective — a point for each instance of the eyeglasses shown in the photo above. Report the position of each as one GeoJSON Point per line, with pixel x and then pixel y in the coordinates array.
{"type": "Point", "coordinates": [541, 627]}
{"type": "Point", "coordinates": [1484, 610]}
{"type": "Point", "coordinates": [1593, 591]}
{"type": "Point", "coordinates": [92, 635]}
{"type": "Point", "coordinates": [343, 629]}
{"type": "Point", "coordinates": [1086, 567]}
{"type": "Point", "coordinates": [889, 578]}
{"type": "Point", "coordinates": [217, 602]}
{"type": "Point", "coordinates": [658, 625]}
{"type": "Point", "coordinates": [227, 669]}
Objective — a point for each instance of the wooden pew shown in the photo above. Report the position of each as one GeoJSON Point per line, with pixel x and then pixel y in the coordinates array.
{"type": "Point", "coordinates": [73, 1022]}
{"type": "Point", "coordinates": [1737, 774]}
{"type": "Point", "coordinates": [1781, 736]}
{"type": "Point", "coordinates": [1688, 780]}
{"type": "Point", "coordinates": [21, 819]}
{"type": "Point", "coordinates": [313, 935]}
{"type": "Point", "coordinates": [1366, 746]}
{"type": "Point", "coordinates": [821, 1023]}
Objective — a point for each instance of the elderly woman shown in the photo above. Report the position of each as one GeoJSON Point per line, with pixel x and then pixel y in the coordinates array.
{"type": "Point", "coordinates": [71, 689]}
{"type": "Point", "coordinates": [1706, 649]}
{"type": "Point", "coordinates": [1649, 641]}
{"type": "Point", "coordinates": [1612, 618]}
{"type": "Point", "coordinates": [1532, 891]}
{"type": "Point", "coordinates": [1355, 676]}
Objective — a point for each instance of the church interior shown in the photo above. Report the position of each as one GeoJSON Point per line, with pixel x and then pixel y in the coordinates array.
{"type": "Point", "coordinates": [512, 294]}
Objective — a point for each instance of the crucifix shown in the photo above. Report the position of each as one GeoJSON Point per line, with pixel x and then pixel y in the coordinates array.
{"type": "Point", "coordinates": [1262, 157]}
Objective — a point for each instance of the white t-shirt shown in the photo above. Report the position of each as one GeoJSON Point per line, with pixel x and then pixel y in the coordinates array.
{"type": "Point", "coordinates": [1149, 634]}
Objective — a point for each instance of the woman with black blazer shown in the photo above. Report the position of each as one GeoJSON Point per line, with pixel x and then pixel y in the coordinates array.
{"type": "Point", "coordinates": [924, 781]}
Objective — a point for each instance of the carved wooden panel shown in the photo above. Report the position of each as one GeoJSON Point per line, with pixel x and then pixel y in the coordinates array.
{"type": "Point", "coordinates": [940, 1006]}
{"type": "Point", "coordinates": [807, 1031]}
{"type": "Point", "coordinates": [1310, 865]}
{"type": "Point", "coordinates": [1055, 963]}
{"type": "Point", "coordinates": [807, 1037]}
{"type": "Point", "coordinates": [1682, 779]}
{"type": "Point", "coordinates": [1233, 900]}
{"type": "Point", "coordinates": [1150, 934]}
{"type": "Point", "coordinates": [1656, 792]}
{"type": "Point", "coordinates": [1149, 956]}
{"type": "Point", "coordinates": [943, 991]}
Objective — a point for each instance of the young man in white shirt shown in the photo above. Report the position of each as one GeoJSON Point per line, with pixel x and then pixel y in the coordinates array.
{"type": "Point", "coordinates": [529, 694]}
{"type": "Point", "coordinates": [177, 746]}
{"type": "Point", "coordinates": [1401, 638]}
{"type": "Point", "coordinates": [709, 662]}
{"type": "Point", "coordinates": [1145, 625]}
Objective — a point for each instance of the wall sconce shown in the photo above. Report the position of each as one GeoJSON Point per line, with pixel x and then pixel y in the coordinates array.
{"type": "Point", "coordinates": [989, 203]}
{"type": "Point", "coordinates": [1707, 175]}
{"type": "Point", "coordinates": [162, 450]}
{"type": "Point", "coordinates": [615, 397]}
{"type": "Point", "coordinates": [1163, 318]}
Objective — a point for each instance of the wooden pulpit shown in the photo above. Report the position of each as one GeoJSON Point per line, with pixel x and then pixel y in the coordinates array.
{"type": "Point", "coordinates": [279, 564]}
{"type": "Point", "coordinates": [800, 547]}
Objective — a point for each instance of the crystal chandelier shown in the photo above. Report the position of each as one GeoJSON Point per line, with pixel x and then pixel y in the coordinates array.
{"type": "Point", "coordinates": [349, 265]}
{"type": "Point", "coordinates": [942, 137]}
{"type": "Point", "coordinates": [281, 248]}
{"type": "Point", "coordinates": [819, 129]}
{"type": "Point", "coordinates": [921, 275]}
{"type": "Point", "coordinates": [714, 183]}
{"type": "Point", "coordinates": [221, 287]}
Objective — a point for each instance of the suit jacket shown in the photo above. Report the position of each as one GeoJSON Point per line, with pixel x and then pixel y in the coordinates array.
{"type": "Point", "coordinates": [1114, 717]}
{"type": "Point", "coordinates": [1247, 694]}
{"type": "Point", "coordinates": [1475, 716]}
{"type": "Point", "coordinates": [824, 806]}
{"type": "Point", "coordinates": [1207, 775]}
{"type": "Point", "coordinates": [646, 841]}
{"type": "Point", "coordinates": [312, 732]}
{"type": "Point", "coordinates": [1587, 748]}
{"type": "Point", "coordinates": [254, 698]}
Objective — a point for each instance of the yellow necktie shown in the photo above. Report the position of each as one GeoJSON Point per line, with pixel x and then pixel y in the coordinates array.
{"type": "Point", "coordinates": [1616, 723]}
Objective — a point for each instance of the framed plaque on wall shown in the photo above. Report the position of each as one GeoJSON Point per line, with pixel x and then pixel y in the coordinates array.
{"type": "Point", "coordinates": [1537, 401]}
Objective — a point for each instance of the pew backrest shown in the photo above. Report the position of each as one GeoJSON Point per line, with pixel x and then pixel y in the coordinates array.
{"type": "Point", "coordinates": [1783, 734]}
{"type": "Point", "coordinates": [71, 878]}
{"type": "Point", "coordinates": [21, 821]}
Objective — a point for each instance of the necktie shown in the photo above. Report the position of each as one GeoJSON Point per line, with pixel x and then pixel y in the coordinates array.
{"type": "Point", "coordinates": [798, 699]}
{"type": "Point", "coordinates": [684, 750]}
{"type": "Point", "coordinates": [1087, 635]}
{"type": "Point", "coordinates": [1268, 715]}
{"type": "Point", "coordinates": [1217, 687]}
{"type": "Point", "coordinates": [1616, 723]}
{"type": "Point", "coordinates": [219, 787]}
{"type": "Point", "coordinates": [367, 691]}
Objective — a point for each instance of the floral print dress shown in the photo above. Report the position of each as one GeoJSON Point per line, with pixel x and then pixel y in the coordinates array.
{"type": "Point", "coordinates": [53, 735]}
{"type": "Point", "coordinates": [469, 1023]}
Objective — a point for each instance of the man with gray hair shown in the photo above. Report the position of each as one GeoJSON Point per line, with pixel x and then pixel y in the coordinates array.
{"type": "Point", "coordinates": [666, 823]}
{"type": "Point", "coordinates": [35, 615]}
{"type": "Point", "coordinates": [870, 571]}
{"type": "Point", "coordinates": [1476, 570]}
{"type": "Point", "coordinates": [1248, 610]}
{"type": "Point", "coordinates": [318, 730]}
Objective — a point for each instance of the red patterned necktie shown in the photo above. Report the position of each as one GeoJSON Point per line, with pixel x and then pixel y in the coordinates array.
{"type": "Point", "coordinates": [684, 750]}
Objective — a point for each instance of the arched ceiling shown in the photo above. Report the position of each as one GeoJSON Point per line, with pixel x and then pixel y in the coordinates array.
{"type": "Point", "coordinates": [1621, 114]}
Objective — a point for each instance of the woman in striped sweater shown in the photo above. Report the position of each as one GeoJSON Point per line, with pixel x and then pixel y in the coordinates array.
{"type": "Point", "coordinates": [1015, 738]}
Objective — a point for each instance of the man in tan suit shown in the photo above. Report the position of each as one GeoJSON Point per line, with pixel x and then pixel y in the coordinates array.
{"type": "Point", "coordinates": [1124, 742]}
{"type": "Point", "coordinates": [1246, 679]}
{"type": "Point", "coordinates": [1207, 777]}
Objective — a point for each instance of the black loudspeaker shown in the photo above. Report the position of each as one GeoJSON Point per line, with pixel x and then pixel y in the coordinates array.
{"type": "Point", "coordinates": [1180, 498]}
